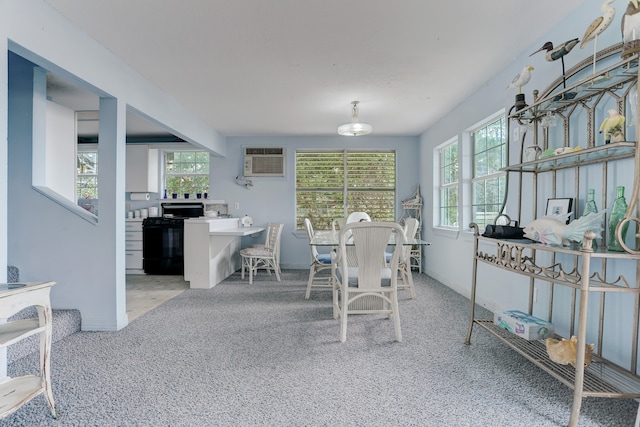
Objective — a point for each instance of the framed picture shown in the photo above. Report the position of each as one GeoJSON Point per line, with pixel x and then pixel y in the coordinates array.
{"type": "Point", "coordinates": [559, 207]}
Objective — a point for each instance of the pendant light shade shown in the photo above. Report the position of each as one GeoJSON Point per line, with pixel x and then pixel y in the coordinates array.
{"type": "Point", "coordinates": [355, 128]}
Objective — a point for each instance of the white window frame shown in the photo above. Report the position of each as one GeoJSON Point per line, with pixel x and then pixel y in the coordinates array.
{"type": "Point", "coordinates": [86, 148]}
{"type": "Point", "coordinates": [165, 175]}
{"type": "Point", "coordinates": [440, 185]}
{"type": "Point", "coordinates": [470, 167]}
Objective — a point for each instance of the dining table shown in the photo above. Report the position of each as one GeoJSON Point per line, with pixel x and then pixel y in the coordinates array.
{"type": "Point", "coordinates": [331, 238]}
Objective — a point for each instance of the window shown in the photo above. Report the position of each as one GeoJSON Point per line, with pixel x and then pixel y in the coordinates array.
{"type": "Point", "coordinates": [331, 184]}
{"type": "Point", "coordinates": [488, 183]}
{"type": "Point", "coordinates": [186, 172]}
{"type": "Point", "coordinates": [448, 168]}
{"type": "Point", "coordinates": [87, 175]}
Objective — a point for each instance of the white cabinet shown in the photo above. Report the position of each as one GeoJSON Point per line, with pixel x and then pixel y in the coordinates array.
{"type": "Point", "coordinates": [142, 169]}
{"type": "Point", "coordinates": [14, 297]}
{"type": "Point", "coordinates": [133, 246]}
{"type": "Point", "coordinates": [212, 250]}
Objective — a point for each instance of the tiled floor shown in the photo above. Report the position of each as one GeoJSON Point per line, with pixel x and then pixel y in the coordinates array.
{"type": "Point", "coordinates": [146, 292]}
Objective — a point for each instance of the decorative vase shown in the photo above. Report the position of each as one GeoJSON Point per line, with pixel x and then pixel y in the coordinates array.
{"type": "Point", "coordinates": [590, 207]}
{"type": "Point", "coordinates": [618, 210]}
{"type": "Point", "coordinates": [532, 153]}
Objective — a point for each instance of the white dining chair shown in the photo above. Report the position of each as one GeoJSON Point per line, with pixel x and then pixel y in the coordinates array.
{"type": "Point", "coordinates": [266, 257]}
{"type": "Point", "coordinates": [319, 262]}
{"type": "Point", "coordinates": [366, 274]}
{"type": "Point", "coordinates": [404, 267]}
{"type": "Point", "coordinates": [358, 217]}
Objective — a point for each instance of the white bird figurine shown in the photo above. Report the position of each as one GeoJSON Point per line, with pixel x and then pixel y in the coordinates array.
{"type": "Point", "coordinates": [599, 24]}
{"type": "Point", "coordinates": [630, 26]}
{"type": "Point", "coordinates": [521, 79]}
{"type": "Point", "coordinates": [612, 127]}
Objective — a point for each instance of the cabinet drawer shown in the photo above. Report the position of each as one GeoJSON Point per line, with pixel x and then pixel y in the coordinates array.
{"type": "Point", "coordinates": [134, 245]}
{"type": "Point", "coordinates": [133, 226]}
{"type": "Point", "coordinates": [133, 235]}
{"type": "Point", "coordinates": [133, 259]}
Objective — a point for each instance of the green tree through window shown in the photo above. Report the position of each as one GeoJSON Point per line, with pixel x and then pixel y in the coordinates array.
{"type": "Point", "coordinates": [488, 183]}
{"type": "Point", "coordinates": [448, 156]}
{"type": "Point", "coordinates": [332, 184]}
{"type": "Point", "coordinates": [87, 174]}
{"type": "Point", "coordinates": [186, 172]}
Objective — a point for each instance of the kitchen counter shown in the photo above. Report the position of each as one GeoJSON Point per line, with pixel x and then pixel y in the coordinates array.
{"type": "Point", "coordinates": [212, 249]}
{"type": "Point", "coordinates": [240, 231]}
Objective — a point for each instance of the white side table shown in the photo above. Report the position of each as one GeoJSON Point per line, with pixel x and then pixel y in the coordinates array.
{"type": "Point", "coordinates": [14, 297]}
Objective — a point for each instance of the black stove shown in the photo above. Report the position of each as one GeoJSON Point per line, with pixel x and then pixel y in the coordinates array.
{"type": "Point", "coordinates": [163, 238]}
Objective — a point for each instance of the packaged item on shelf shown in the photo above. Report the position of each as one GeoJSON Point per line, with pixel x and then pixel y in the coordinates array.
{"type": "Point", "coordinates": [503, 232]}
{"type": "Point", "coordinates": [523, 325]}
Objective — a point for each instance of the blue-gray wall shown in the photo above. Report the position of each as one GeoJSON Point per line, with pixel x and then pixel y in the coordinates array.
{"type": "Point", "coordinates": [273, 199]}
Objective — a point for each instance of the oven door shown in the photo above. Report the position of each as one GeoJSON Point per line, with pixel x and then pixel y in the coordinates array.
{"type": "Point", "coordinates": [163, 248]}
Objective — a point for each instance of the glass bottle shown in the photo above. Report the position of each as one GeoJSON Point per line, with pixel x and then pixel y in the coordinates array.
{"type": "Point", "coordinates": [618, 211]}
{"type": "Point", "coordinates": [590, 207]}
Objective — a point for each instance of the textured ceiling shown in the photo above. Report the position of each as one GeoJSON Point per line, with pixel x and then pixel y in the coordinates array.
{"type": "Point", "coordinates": [292, 67]}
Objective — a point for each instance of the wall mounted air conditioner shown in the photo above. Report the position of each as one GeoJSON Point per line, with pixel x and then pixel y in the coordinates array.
{"type": "Point", "coordinates": [265, 161]}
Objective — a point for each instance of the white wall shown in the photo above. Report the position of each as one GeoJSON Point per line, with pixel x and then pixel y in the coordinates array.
{"type": "Point", "coordinates": [60, 159]}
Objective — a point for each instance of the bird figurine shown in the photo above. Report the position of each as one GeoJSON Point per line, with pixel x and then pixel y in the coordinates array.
{"type": "Point", "coordinates": [612, 127]}
{"type": "Point", "coordinates": [553, 230]}
{"type": "Point", "coordinates": [521, 79]}
{"type": "Point", "coordinates": [599, 24]}
{"type": "Point", "coordinates": [553, 54]}
{"type": "Point", "coordinates": [630, 26]}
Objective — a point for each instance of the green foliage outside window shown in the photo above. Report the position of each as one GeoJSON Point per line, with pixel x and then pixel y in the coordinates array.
{"type": "Point", "coordinates": [489, 183]}
{"type": "Point", "coordinates": [186, 172]}
{"type": "Point", "coordinates": [332, 184]}
{"type": "Point", "coordinates": [87, 175]}
{"type": "Point", "coordinates": [449, 185]}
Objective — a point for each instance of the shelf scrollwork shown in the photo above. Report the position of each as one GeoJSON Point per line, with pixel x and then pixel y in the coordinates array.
{"type": "Point", "coordinates": [511, 256]}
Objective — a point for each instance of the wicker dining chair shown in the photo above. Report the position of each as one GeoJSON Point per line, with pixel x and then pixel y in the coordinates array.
{"type": "Point", "coordinates": [319, 262]}
{"type": "Point", "coordinates": [266, 257]}
{"type": "Point", "coordinates": [404, 266]}
{"type": "Point", "coordinates": [365, 274]}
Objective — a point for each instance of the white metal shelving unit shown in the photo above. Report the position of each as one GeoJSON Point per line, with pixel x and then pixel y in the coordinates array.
{"type": "Point", "coordinates": [586, 270]}
{"type": "Point", "coordinates": [412, 208]}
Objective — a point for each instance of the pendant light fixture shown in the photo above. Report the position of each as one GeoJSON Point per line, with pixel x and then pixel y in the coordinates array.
{"type": "Point", "coordinates": [355, 128]}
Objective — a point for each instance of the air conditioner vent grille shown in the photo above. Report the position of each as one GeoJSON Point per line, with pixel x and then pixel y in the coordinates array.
{"type": "Point", "coordinates": [264, 161]}
{"type": "Point", "coordinates": [265, 151]}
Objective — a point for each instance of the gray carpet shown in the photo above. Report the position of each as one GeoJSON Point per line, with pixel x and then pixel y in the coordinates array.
{"type": "Point", "coordinates": [241, 355]}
